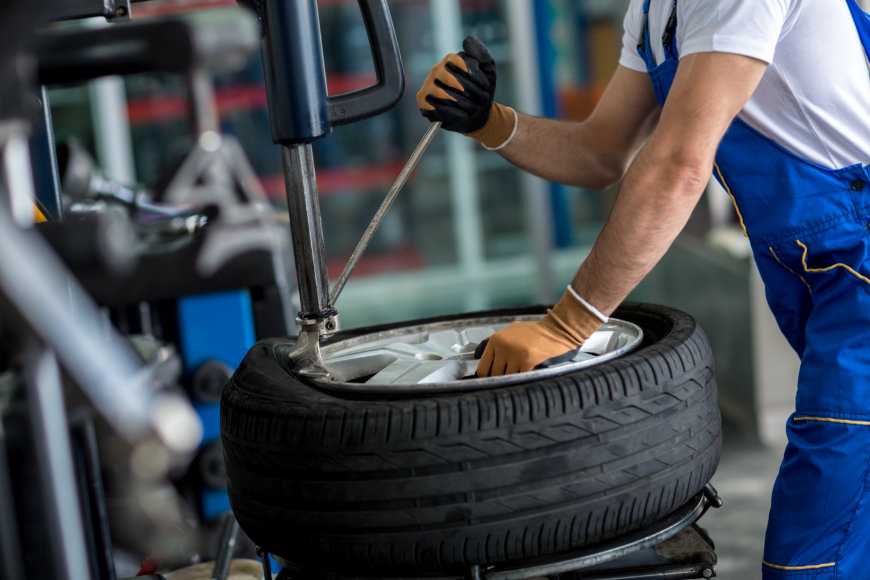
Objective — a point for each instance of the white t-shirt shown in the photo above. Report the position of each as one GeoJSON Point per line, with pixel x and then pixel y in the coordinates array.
{"type": "Point", "coordinates": [814, 99]}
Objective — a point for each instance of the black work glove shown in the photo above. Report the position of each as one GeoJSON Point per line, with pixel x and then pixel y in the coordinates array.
{"type": "Point", "coordinates": [460, 90]}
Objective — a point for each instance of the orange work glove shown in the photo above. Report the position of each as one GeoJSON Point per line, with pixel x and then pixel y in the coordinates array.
{"type": "Point", "coordinates": [459, 93]}
{"type": "Point", "coordinates": [523, 346]}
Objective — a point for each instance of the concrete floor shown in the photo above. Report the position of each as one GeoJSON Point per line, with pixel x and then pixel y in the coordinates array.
{"type": "Point", "coordinates": [744, 481]}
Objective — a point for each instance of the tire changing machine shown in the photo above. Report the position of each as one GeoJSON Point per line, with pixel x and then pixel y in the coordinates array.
{"type": "Point", "coordinates": [300, 113]}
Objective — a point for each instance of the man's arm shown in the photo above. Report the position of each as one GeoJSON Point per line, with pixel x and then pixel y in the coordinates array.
{"type": "Point", "coordinates": [659, 192]}
{"type": "Point", "coordinates": [666, 180]}
{"type": "Point", "coordinates": [596, 152]}
{"type": "Point", "coordinates": [459, 93]}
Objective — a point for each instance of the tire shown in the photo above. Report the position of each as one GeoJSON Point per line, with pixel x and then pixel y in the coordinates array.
{"type": "Point", "coordinates": [432, 484]}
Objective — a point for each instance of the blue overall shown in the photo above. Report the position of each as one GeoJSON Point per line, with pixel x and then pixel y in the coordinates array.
{"type": "Point", "coordinates": [809, 228]}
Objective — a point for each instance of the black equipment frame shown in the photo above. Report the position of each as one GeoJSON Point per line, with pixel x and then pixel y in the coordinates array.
{"type": "Point", "coordinates": [588, 558]}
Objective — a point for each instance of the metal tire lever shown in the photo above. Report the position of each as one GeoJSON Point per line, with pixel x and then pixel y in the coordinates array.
{"type": "Point", "coordinates": [395, 189]}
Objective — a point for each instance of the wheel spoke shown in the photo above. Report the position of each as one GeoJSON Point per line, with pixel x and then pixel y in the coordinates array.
{"type": "Point", "coordinates": [416, 372]}
{"type": "Point", "coordinates": [478, 334]}
{"type": "Point", "coordinates": [599, 343]}
{"type": "Point", "coordinates": [447, 343]}
{"type": "Point", "coordinates": [350, 367]}
{"type": "Point", "coordinates": [419, 352]}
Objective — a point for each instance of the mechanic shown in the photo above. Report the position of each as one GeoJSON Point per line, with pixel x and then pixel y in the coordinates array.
{"type": "Point", "coordinates": [773, 98]}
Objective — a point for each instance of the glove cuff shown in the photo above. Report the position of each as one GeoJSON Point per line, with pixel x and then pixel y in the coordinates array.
{"type": "Point", "coordinates": [575, 317]}
{"type": "Point", "coordinates": [597, 313]}
{"type": "Point", "coordinates": [500, 128]}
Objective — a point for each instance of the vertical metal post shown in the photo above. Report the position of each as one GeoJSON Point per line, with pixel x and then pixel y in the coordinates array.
{"type": "Point", "coordinates": [306, 229]}
{"type": "Point", "coordinates": [203, 103]}
{"type": "Point", "coordinates": [112, 135]}
{"type": "Point", "coordinates": [461, 159]}
{"type": "Point", "coordinates": [299, 115]}
{"type": "Point", "coordinates": [15, 171]}
{"type": "Point", "coordinates": [86, 454]}
{"type": "Point", "coordinates": [54, 460]}
{"type": "Point", "coordinates": [207, 128]}
{"type": "Point", "coordinates": [10, 544]}
{"type": "Point", "coordinates": [524, 53]}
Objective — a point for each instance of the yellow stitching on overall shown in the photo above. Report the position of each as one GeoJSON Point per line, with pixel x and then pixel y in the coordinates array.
{"type": "Point", "coordinates": [832, 420]}
{"type": "Point", "coordinates": [781, 263]}
{"type": "Point", "coordinates": [830, 268]}
{"type": "Point", "coordinates": [793, 568]}
{"type": "Point", "coordinates": [733, 199]}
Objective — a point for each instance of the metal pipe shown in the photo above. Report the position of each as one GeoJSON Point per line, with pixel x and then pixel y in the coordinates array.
{"type": "Point", "coordinates": [54, 459]}
{"type": "Point", "coordinates": [50, 303]}
{"type": "Point", "coordinates": [11, 565]}
{"type": "Point", "coordinates": [83, 438]}
{"type": "Point", "coordinates": [462, 175]}
{"type": "Point", "coordinates": [16, 173]}
{"type": "Point", "coordinates": [397, 187]}
{"type": "Point", "coordinates": [55, 308]}
{"type": "Point", "coordinates": [112, 134]}
{"type": "Point", "coordinates": [203, 103]}
{"type": "Point", "coordinates": [306, 229]}
{"type": "Point", "coordinates": [524, 57]}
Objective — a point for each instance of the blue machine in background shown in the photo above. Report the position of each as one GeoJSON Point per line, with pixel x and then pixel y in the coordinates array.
{"type": "Point", "coordinates": [215, 331]}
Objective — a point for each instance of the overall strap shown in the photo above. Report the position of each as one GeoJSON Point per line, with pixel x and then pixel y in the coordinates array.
{"type": "Point", "coordinates": [669, 38]}
{"type": "Point", "coordinates": [644, 47]}
{"type": "Point", "coordinates": [862, 23]}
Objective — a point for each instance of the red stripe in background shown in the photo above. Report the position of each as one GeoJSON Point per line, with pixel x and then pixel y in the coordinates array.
{"type": "Point", "coordinates": [229, 99]}
{"type": "Point", "coordinates": [334, 181]}
{"type": "Point", "coordinates": [143, 111]}
{"type": "Point", "coordinates": [402, 258]}
{"type": "Point", "coordinates": [163, 7]}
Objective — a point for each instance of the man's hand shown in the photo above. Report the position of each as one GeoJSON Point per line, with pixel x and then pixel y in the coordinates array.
{"type": "Point", "coordinates": [460, 94]}
{"type": "Point", "coordinates": [523, 346]}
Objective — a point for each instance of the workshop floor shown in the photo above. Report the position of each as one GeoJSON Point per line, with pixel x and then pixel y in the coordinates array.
{"type": "Point", "coordinates": [744, 481]}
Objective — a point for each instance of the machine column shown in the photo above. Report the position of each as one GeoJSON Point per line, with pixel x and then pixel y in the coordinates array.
{"type": "Point", "coordinates": [306, 229]}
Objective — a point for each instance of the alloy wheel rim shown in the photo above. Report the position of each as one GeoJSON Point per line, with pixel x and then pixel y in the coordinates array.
{"type": "Point", "coordinates": [439, 356]}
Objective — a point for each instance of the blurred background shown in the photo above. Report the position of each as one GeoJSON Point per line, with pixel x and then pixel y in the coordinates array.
{"type": "Point", "coordinates": [471, 232]}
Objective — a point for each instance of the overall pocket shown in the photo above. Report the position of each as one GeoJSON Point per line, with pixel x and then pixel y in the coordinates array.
{"type": "Point", "coordinates": [835, 358]}
{"type": "Point", "coordinates": [825, 259]}
{"type": "Point", "coordinates": [834, 263]}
